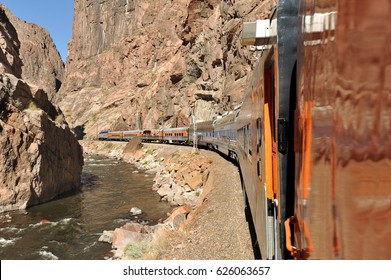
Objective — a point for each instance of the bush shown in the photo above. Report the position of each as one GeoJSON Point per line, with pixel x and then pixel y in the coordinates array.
{"type": "Point", "coordinates": [137, 251]}
{"type": "Point", "coordinates": [32, 107]}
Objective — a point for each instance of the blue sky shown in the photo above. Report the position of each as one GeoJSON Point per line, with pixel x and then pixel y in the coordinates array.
{"type": "Point", "coordinates": [55, 15]}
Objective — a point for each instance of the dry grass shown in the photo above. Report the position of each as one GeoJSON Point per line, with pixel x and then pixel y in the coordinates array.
{"type": "Point", "coordinates": [60, 119]}
{"type": "Point", "coordinates": [157, 248]}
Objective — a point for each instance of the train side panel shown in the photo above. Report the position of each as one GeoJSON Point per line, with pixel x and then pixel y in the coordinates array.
{"type": "Point", "coordinates": [204, 133]}
{"type": "Point", "coordinates": [103, 135]}
{"type": "Point", "coordinates": [115, 135]}
{"type": "Point", "coordinates": [152, 135]}
{"type": "Point", "coordinates": [179, 135]}
{"type": "Point", "coordinates": [130, 134]}
{"type": "Point", "coordinates": [343, 179]}
{"type": "Point", "coordinates": [225, 134]}
{"type": "Point", "coordinates": [265, 133]}
{"type": "Point", "coordinates": [251, 156]}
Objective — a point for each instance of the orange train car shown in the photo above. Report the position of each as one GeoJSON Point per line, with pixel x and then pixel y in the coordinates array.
{"type": "Point", "coordinates": [178, 135]}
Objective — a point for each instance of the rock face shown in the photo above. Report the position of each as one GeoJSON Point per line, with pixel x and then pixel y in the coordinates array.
{"type": "Point", "coordinates": [40, 157]}
{"type": "Point", "coordinates": [37, 59]}
{"type": "Point", "coordinates": [154, 63]}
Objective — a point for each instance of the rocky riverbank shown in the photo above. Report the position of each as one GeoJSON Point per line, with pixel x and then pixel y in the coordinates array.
{"type": "Point", "coordinates": [184, 178]}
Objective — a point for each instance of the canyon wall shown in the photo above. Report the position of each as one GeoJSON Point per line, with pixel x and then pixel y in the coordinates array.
{"type": "Point", "coordinates": [39, 62]}
{"type": "Point", "coordinates": [155, 63]}
{"type": "Point", "coordinates": [40, 157]}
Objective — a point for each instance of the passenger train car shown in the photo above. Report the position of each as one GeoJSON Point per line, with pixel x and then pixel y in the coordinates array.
{"type": "Point", "coordinates": [312, 136]}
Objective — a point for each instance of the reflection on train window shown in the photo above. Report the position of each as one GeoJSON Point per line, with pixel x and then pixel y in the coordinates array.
{"type": "Point", "coordinates": [240, 137]}
{"type": "Point", "coordinates": [259, 147]}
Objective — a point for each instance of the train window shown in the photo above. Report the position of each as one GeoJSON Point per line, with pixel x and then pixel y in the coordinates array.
{"type": "Point", "coordinates": [241, 137]}
{"type": "Point", "coordinates": [259, 147]}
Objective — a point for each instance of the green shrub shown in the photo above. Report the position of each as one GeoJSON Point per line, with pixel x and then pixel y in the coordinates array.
{"type": "Point", "coordinates": [175, 154]}
{"type": "Point", "coordinates": [137, 251]}
{"type": "Point", "coordinates": [32, 107]}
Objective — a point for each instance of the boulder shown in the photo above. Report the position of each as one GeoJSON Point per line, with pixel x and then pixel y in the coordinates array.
{"type": "Point", "coordinates": [136, 227]}
{"type": "Point", "coordinates": [178, 216]}
{"type": "Point", "coordinates": [135, 211]}
{"type": "Point", "coordinates": [195, 182]}
{"type": "Point", "coordinates": [107, 236]}
{"type": "Point", "coordinates": [164, 190]}
{"type": "Point", "coordinates": [131, 148]}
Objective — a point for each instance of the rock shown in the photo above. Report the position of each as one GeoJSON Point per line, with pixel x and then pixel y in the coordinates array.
{"type": "Point", "coordinates": [195, 182]}
{"type": "Point", "coordinates": [192, 198]}
{"type": "Point", "coordinates": [205, 176]}
{"type": "Point", "coordinates": [132, 147]}
{"type": "Point", "coordinates": [136, 227]}
{"type": "Point", "coordinates": [138, 155]}
{"type": "Point", "coordinates": [135, 211]}
{"type": "Point", "coordinates": [163, 179]}
{"type": "Point", "coordinates": [174, 166]}
{"type": "Point", "coordinates": [40, 157]}
{"type": "Point", "coordinates": [178, 216]}
{"type": "Point", "coordinates": [107, 236]}
{"type": "Point", "coordinates": [178, 221]}
{"type": "Point", "coordinates": [178, 200]}
{"type": "Point", "coordinates": [164, 190]}
{"type": "Point", "coordinates": [187, 188]}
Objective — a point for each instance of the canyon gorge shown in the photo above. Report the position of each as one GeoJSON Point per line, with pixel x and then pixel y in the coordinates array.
{"type": "Point", "coordinates": [131, 65]}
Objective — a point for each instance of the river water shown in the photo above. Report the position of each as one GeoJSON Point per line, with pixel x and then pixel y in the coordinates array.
{"type": "Point", "coordinates": [109, 190]}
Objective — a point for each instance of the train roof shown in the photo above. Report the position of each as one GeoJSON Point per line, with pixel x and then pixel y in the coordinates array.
{"type": "Point", "coordinates": [202, 126]}
{"type": "Point", "coordinates": [176, 128]}
{"type": "Point", "coordinates": [226, 119]}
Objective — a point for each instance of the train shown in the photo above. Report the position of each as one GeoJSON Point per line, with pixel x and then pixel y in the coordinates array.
{"type": "Point", "coordinates": [312, 136]}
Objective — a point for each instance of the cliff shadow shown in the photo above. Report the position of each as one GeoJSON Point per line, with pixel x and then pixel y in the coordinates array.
{"type": "Point", "coordinates": [79, 132]}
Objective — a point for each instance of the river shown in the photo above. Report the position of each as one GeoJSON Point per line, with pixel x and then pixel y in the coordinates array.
{"type": "Point", "coordinates": [69, 227]}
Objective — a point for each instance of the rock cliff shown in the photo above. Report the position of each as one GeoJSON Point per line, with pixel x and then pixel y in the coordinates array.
{"type": "Point", "coordinates": [37, 59]}
{"type": "Point", "coordinates": [155, 63]}
{"type": "Point", "coordinates": [40, 157]}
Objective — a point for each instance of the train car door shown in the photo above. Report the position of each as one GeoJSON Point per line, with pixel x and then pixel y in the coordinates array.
{"type": "Point", "coordinates": [271, 155]}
